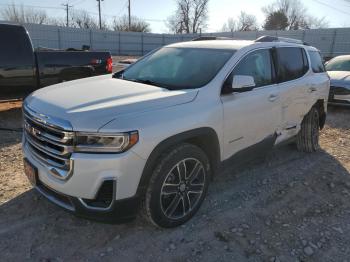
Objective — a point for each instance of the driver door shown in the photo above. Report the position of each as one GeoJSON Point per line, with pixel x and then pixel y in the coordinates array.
{"type": "Point", "coordinates": [252, 117]}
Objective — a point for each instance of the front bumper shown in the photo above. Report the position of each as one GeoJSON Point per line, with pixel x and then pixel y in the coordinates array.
{"type": "Point", "coordinates": [117, 211]}
{"type": "Point", "coordinates": [90, 173]}
{"type": "Point", "coordinates": [339, 96]}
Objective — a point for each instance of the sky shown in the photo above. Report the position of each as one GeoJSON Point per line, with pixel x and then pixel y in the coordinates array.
{"type": "Point", "coordinates": [155, 12]}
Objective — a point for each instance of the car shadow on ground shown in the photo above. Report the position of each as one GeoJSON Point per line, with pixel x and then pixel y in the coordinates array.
{"type": "Point", "coordinates": [275, 208]}
{"type": "Point", "coordinates": [10, 126]}
{"type": "Point", "coordinates": [339, 117]}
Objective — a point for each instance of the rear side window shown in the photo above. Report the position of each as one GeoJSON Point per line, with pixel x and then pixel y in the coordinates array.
{"type": "Point", "coordinates": [316, 62]}
{"type": "Point", "coordinates": [292, 63]}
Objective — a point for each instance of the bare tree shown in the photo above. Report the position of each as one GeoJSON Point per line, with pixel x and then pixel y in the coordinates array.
{"type": "Point", "coordinates": [58, 21]}
{"type": "Point", "coordinates": [247, 22]}
{"type": "Point", "coordinates": [190, 16]}
{"type": "Point", "coordinates": [19, 14]}
{"type": "Point", "coordinates": [244, 22]}
{"type": "Point", "coordinates": [137, 24]}
{"type": "Point", "coordinates": [82, 19]}
{"type": "Point", "coordinates": [296, 13]}
{"type": "Point", "coordinates": [315, 23]}
{"type": "Point", "coordinates": [230, 25]}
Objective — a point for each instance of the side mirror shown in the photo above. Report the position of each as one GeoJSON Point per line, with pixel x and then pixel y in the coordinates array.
{"type": "Point", "coordinates": [119, 74]}
{"type": "Point", "coordinates": [242, 83]}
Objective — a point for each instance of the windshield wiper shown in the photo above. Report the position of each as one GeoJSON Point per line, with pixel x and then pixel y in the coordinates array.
{"type": "Point", "coordinates": [148, 82]}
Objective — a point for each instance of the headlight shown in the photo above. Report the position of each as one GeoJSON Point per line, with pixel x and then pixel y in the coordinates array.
{"type": "Point", "coordinates": [105, 143]}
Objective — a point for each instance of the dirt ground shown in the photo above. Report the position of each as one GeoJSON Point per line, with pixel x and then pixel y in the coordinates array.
{"type": "Point", "coordinates": [291, 207]}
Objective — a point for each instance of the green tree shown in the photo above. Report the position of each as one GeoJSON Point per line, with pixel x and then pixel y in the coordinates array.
{"type": "Point", "coordinates": [276, 21]}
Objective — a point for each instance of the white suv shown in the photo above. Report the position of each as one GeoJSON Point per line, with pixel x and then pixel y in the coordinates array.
{"type": "Point", "coordinates": [155, 134]}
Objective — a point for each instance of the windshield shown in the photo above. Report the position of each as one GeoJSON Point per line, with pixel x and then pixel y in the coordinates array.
{"type": "Point", "coordinates": [178, 68]}
{"type": "Point", "coordinates": [339, 64]}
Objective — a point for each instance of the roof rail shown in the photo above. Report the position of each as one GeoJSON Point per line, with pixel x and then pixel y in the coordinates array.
{"type": "Point", "coordinates": [268, 38]}
{"type": "Point", "coordinates": [204, 38]}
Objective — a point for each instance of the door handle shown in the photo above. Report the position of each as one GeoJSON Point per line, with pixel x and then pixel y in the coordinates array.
{"type": "Point", "coordinates": [273, 97]}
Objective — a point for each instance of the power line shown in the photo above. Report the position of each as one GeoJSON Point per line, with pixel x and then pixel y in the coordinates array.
{"type": "Point", "coordinates": [89, 12]}
{"type": "Point", "coordinates": [124, 6]}
{"type": "Point", "coordinates": [79, 2]}
{"type": "Point", "coordinates": [330, 6]}
{"type": "Point", "coordinates": [35, 6]}
{"type": "Point", "coordinates": [153, 20]}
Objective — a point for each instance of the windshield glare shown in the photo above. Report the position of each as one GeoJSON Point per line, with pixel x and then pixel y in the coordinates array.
{"type": "Point", "coordinates": [340, 64]}
{"type": "Point", "coordinates": [179, 68]}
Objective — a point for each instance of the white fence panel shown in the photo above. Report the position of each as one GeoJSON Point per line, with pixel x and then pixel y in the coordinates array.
{"type": "Point", "coordinates": [342, 41]}
{"type": "Point", "coordinates": [321, 39]}
{"type": "Point", "coordinates": [44, 36]}
{"type": "Point", "coordinates": [331, 42]}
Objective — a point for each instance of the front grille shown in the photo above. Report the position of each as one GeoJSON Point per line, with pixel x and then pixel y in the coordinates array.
{"type": "Point", "coordinates": [49, 143]}
{"type": "Point", "coordinates": [336, 90]}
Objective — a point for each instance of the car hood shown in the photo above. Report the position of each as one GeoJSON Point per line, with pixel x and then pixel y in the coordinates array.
{"type": "Point", "coordinates": [90, 103]}
{"type": "Point", "coordinates": [339, 78]}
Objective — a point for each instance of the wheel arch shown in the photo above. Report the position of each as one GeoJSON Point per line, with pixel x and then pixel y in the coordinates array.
{"type": "Point", "coordinates": [319, 105]}
{"type": "Point", "coordinates": [205, 138]}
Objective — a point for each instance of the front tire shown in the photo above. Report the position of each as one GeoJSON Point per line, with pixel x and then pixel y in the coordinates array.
{"type": "Point", "coordinates": [308, 136]}
{"type": "Point", "coordinates": [177, 186]}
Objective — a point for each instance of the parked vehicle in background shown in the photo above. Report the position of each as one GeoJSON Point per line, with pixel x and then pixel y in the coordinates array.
{"type": "Point", "coordinates": [155, 133]}
{"type": "Point", "coordinates": [125, 63]}
{"type": "Point", "coordinates": [23, 70]}
{"type": "Point", "coordinates": [338, 70]}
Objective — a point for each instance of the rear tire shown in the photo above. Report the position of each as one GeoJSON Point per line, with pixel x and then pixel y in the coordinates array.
{"type": "Point", "coordinates": [177, 186]}
{"type": "Point", "coordinates": [308, 136]}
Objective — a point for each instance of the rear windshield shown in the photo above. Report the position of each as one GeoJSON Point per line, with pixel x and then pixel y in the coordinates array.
{"type": "Point", "coordinates": [339, 64]}
{"type": "Point", "coordinates": [15, 47]}
{"type": "Point", "coordinates": [179, 68]}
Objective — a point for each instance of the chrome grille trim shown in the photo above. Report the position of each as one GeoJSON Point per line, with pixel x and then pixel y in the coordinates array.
{"type": "Point", "coordinates": [66, 150]}
{"type": "Point", "coordinates": [47, 150]}
{"type": "Point", "coordinates": [49, 142]}
{"type": "Point", "coordinates": [44, 134]}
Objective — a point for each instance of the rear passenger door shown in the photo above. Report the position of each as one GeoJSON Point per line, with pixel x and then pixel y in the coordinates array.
{"type": "Point", "coordinates": [292, 68]}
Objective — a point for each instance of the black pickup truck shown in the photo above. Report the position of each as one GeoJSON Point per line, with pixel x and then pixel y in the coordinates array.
{"type": "Point", "coordinates": [23, 69]}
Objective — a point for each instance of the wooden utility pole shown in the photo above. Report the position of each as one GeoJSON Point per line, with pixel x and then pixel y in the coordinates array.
{"type": "Point", "coordinates": [99, 13]}
{"type": "Point", "coordinates": [129, 10]}
{"type": "Point", "coordinates": [67, 6]}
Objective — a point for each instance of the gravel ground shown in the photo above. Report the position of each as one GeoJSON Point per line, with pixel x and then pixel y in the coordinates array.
{"type": "Point", "coordinates": [291, 207]}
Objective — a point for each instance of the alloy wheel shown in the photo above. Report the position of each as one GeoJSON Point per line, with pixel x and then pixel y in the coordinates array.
{"type": "Point", "coordinates": [182, 188]}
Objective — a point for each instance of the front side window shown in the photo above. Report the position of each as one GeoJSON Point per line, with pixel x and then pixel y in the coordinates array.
{"type": "Point", "coordinates": [258, 65]}
{"type": "Point", "coordinates": [339, 64]}
{"type": "Point", "coordinates": [316, 62]}
{"type": "Point", "coordinates": [292, 63]}
{"type": "Point", "coordinates": [179, 68]}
